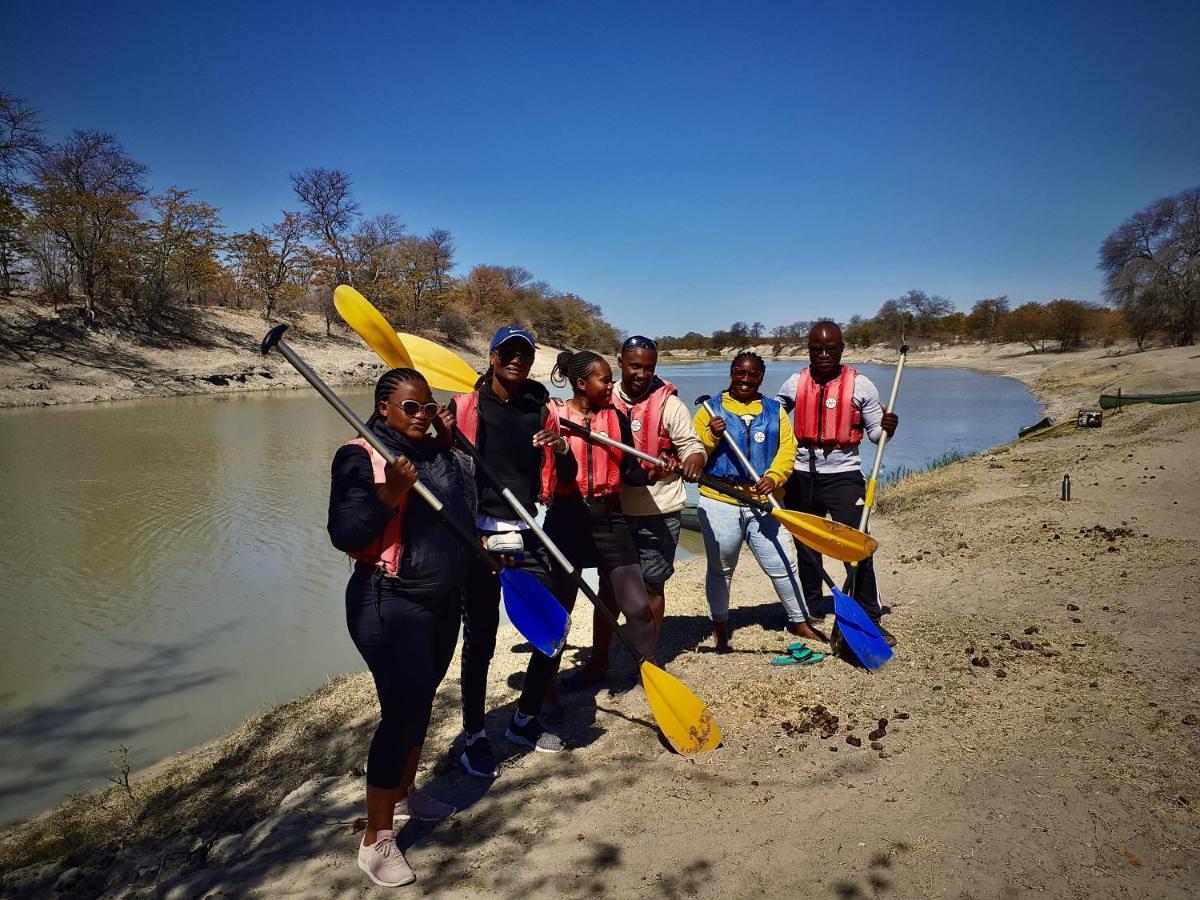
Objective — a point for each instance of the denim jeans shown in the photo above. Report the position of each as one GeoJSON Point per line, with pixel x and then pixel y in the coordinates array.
{"type": "Point", "coordinates": [726, 527]}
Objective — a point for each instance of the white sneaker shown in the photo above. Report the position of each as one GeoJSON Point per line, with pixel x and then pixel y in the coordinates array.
{"type": "Point", "coordinates": [419, 805]}
{"type": "Point", "coordinates": [384, 862]}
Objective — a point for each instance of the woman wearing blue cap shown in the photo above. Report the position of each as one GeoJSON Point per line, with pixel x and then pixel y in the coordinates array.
{"type": "Point", "coordinates": [507, 418]}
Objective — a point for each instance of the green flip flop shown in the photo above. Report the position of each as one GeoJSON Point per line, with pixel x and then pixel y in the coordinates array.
{"type": "Point", "coordinates": [801, 656]}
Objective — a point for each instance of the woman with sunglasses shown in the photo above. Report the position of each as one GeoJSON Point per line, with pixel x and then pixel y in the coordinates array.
{"type": "Point", "coordinates": [508, 419]}
{"type": "Point", "coordinates": [404, 598]}
{"type": "Point", "coordinates": [761, 428]}
{"type": "Point", "coordinates": [661, 426]}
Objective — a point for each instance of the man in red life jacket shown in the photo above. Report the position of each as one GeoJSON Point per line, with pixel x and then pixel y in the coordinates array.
{"type": "Point", "coordinates": [833, 407]}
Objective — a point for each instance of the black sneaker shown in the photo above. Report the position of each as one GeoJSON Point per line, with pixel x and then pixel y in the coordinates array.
{"type": "Point", "coordinates": [534, 736]}
{"type": "Point", "coordinates": [479, 760]}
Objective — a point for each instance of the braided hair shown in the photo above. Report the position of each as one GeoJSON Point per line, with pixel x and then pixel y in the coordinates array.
{"type": "Point", "coordinates": [573, 365]}
{"type": "Point", "coordinates": [748, 354]}
{"type": "Point", "coordinates": [387, 384]}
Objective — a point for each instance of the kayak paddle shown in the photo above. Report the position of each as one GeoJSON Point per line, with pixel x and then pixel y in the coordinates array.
{"type": "Point", "coordinates": [530, 606]}
{"type": "Point", "coordinates": [832, 539]}
{"type": "Point", "coordinates": [859, 632]}
{"type": "Point", "coordinates": [684, 720]}
{"type": "Point", "coordinates": [869, 500]}
{"type": "Point", "coordinates": [442, 369]}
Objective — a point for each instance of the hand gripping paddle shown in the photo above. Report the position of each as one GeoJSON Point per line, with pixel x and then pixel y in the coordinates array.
{"type": "Point", "coordinates": [531, 608]}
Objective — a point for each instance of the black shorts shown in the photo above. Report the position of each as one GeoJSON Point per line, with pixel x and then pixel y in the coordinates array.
{"type": "Point", "coordinates": [656, 538]}
{"type": "Point", "coordinates": [591, 533]}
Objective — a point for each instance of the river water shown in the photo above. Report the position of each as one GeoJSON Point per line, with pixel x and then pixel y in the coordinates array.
{"type": "Point", "coordinates": [166, 572]}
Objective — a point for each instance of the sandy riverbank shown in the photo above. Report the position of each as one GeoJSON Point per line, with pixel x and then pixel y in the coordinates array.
{"type": "Point", "coordinates": [1065, 765]}
{"type": "Point", "coordinates": [46, 360]}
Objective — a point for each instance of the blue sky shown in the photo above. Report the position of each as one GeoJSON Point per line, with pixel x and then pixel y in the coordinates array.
{"type": "Point", "coordinates": [682, 165]}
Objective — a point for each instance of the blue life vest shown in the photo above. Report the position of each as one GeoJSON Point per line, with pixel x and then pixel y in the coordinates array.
{"type": "Point", "coordinates": [760, 442]}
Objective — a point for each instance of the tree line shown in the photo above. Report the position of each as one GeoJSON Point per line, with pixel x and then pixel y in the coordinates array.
{"type": "Point", "coordinates": [78, 223]}
{"type": "Point", "coordinates": [1151, 267]}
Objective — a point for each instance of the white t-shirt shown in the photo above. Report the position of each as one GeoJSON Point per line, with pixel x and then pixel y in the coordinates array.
{"type": "Point", "coordinates": [866, 398]}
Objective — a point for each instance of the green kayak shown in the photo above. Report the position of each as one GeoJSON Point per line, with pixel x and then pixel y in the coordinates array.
{"type": "Point", "coordinates": [1116, 401]}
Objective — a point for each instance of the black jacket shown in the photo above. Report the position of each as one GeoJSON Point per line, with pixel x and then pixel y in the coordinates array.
{"type": "Point", "coordinates": [433, 561]}
{"type": "Point", "coordinates": [504, 438]}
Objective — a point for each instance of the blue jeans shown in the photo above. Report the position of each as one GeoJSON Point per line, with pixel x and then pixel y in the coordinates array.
{"type": "Point", "coordinates": [726, 526]}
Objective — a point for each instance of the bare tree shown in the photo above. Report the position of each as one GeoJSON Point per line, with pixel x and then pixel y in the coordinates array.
{"type": "Point", "coordinates": [85, 196]}
{"type": "Point", "coordinates": [21, 142]}
{"type": "Point", "coordinates": [181, 243]}
{"type": "Point", "coordinates": [1151, 266]}
{"type": "Point", "coordinates": [330, 211]}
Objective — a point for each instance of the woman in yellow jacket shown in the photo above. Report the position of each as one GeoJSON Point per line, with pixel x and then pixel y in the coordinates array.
{"type": "Point", "coordinates": [762, 429]}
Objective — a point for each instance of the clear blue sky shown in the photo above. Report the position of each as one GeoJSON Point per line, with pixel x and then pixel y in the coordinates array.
{"type": "Point", "coordinates": [683, 166]}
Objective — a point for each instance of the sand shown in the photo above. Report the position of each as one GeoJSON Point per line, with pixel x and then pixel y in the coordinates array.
{"type": "Point", "coordinates": [1042, 734]}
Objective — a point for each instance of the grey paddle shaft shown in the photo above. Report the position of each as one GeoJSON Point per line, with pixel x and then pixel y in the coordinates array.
{"type": "Point", "coordinates": [737, 451]}
{"type": "Point", "coordinates": [883, 439]}
{"type": "Point", "coordinates": [274, 340]}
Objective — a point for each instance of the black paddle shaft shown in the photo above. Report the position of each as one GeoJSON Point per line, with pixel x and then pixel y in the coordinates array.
{"type": "Point", "coordinates": [566, 564]}
{"type": "Point", "coordinates": [274, 341]}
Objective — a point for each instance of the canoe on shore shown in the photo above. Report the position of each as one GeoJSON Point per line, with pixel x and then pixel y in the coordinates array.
{"type": "Point", "coordinates": [1116, 401]}
{"type": "Point", "coordinates": [1036, 426]}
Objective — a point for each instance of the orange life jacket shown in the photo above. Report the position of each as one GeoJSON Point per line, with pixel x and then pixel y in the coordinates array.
{"type": "Point", "coordinates": [646, 418]}
{"type": "Point", "coordinates": [466, 413]}
{"type": "Point", "coordinates": [386, 549]}
{"type": "Point", "coordinates": [599, 466]}
{"type": "Point", "coordinates": [826, 413]}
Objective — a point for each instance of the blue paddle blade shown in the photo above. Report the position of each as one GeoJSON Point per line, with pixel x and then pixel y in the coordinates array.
{"type": "Point", "coordinates": [860, 632]}
{"type": "Point", "coordinates": [533, 611]}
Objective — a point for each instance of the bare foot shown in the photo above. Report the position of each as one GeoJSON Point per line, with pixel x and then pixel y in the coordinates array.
{"type": "Point", "coordinates": [721, 637]}
{"type": "Point", "coordinates": [806, 631]}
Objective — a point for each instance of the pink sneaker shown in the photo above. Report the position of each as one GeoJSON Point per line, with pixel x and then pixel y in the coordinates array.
{"type": "Point", "coordinates": [383, 861]}
{"type": "Point", "coordinates": [419, 805]}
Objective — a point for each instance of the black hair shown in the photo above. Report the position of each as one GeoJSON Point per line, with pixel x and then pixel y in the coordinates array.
{"type": "Point", "coordinates": [573, 365]}
{"type": "Point", "coordinates": [486, 377]}
{"type": "Point", "coordinates": [751, 355]}
{"type": "Point", "coordinates": [387, 384]}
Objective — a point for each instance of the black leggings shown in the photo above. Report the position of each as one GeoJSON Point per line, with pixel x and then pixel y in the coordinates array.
{"type": "Point", "coordinates": [407, 644]}
{"type": "Point", "coordinates": [481, 618]}
{"type": "Point", "coordinates": [837, 495]}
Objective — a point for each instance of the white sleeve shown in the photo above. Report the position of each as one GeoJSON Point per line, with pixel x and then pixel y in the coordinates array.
{"type": "Point", "coordinates": [787, 392]}
{"type": "Point", "coordinates": [866, 398]}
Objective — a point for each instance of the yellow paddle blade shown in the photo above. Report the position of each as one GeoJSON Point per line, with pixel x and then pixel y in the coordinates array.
{"type": "Point", "coordinates": [832, 539]}
{"type": "Point", "coordinates": [442, 369]}
{"type": "Point", "coordinates": [685, 721]}
{"type": "Point", "coordinates": [357, 312]}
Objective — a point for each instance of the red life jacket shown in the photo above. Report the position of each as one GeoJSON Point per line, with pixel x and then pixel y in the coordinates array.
{"type": "Point", "coordinates": [599, 471]}
{"type": "Point", "coordinates": [466, 414]}
{"type": "Point", "coordinates": [646, 419]}
{"type": "Point", "coordinates": [386, 549]}
{"type": "Point", "coordinates": [826, 413]}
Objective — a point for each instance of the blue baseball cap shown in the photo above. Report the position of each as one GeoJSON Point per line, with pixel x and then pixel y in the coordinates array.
{"type": "Point", "coordinates": [508, 332]}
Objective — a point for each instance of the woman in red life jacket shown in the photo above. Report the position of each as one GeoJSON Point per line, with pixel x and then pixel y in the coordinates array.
{"type": "Point", "coordinates": [662, 426]}
{"type": "Point", "coordinates": [404, 598]}
{"type": "Point", "coordinates": [585, 518]}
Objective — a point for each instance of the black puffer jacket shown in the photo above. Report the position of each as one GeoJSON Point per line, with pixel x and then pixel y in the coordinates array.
{"type": "Point", "coordinates": [433, 561]}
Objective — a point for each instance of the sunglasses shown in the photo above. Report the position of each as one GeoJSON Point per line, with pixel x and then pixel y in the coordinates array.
{"type": "Point", "coordinates": [514, 351]}
{"type": "Point", "coordinates": [825, 351]}
{"type": "Point", "coordinates": [412, 408]}
{"type": "Point", "coordinates": [637, 342]}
